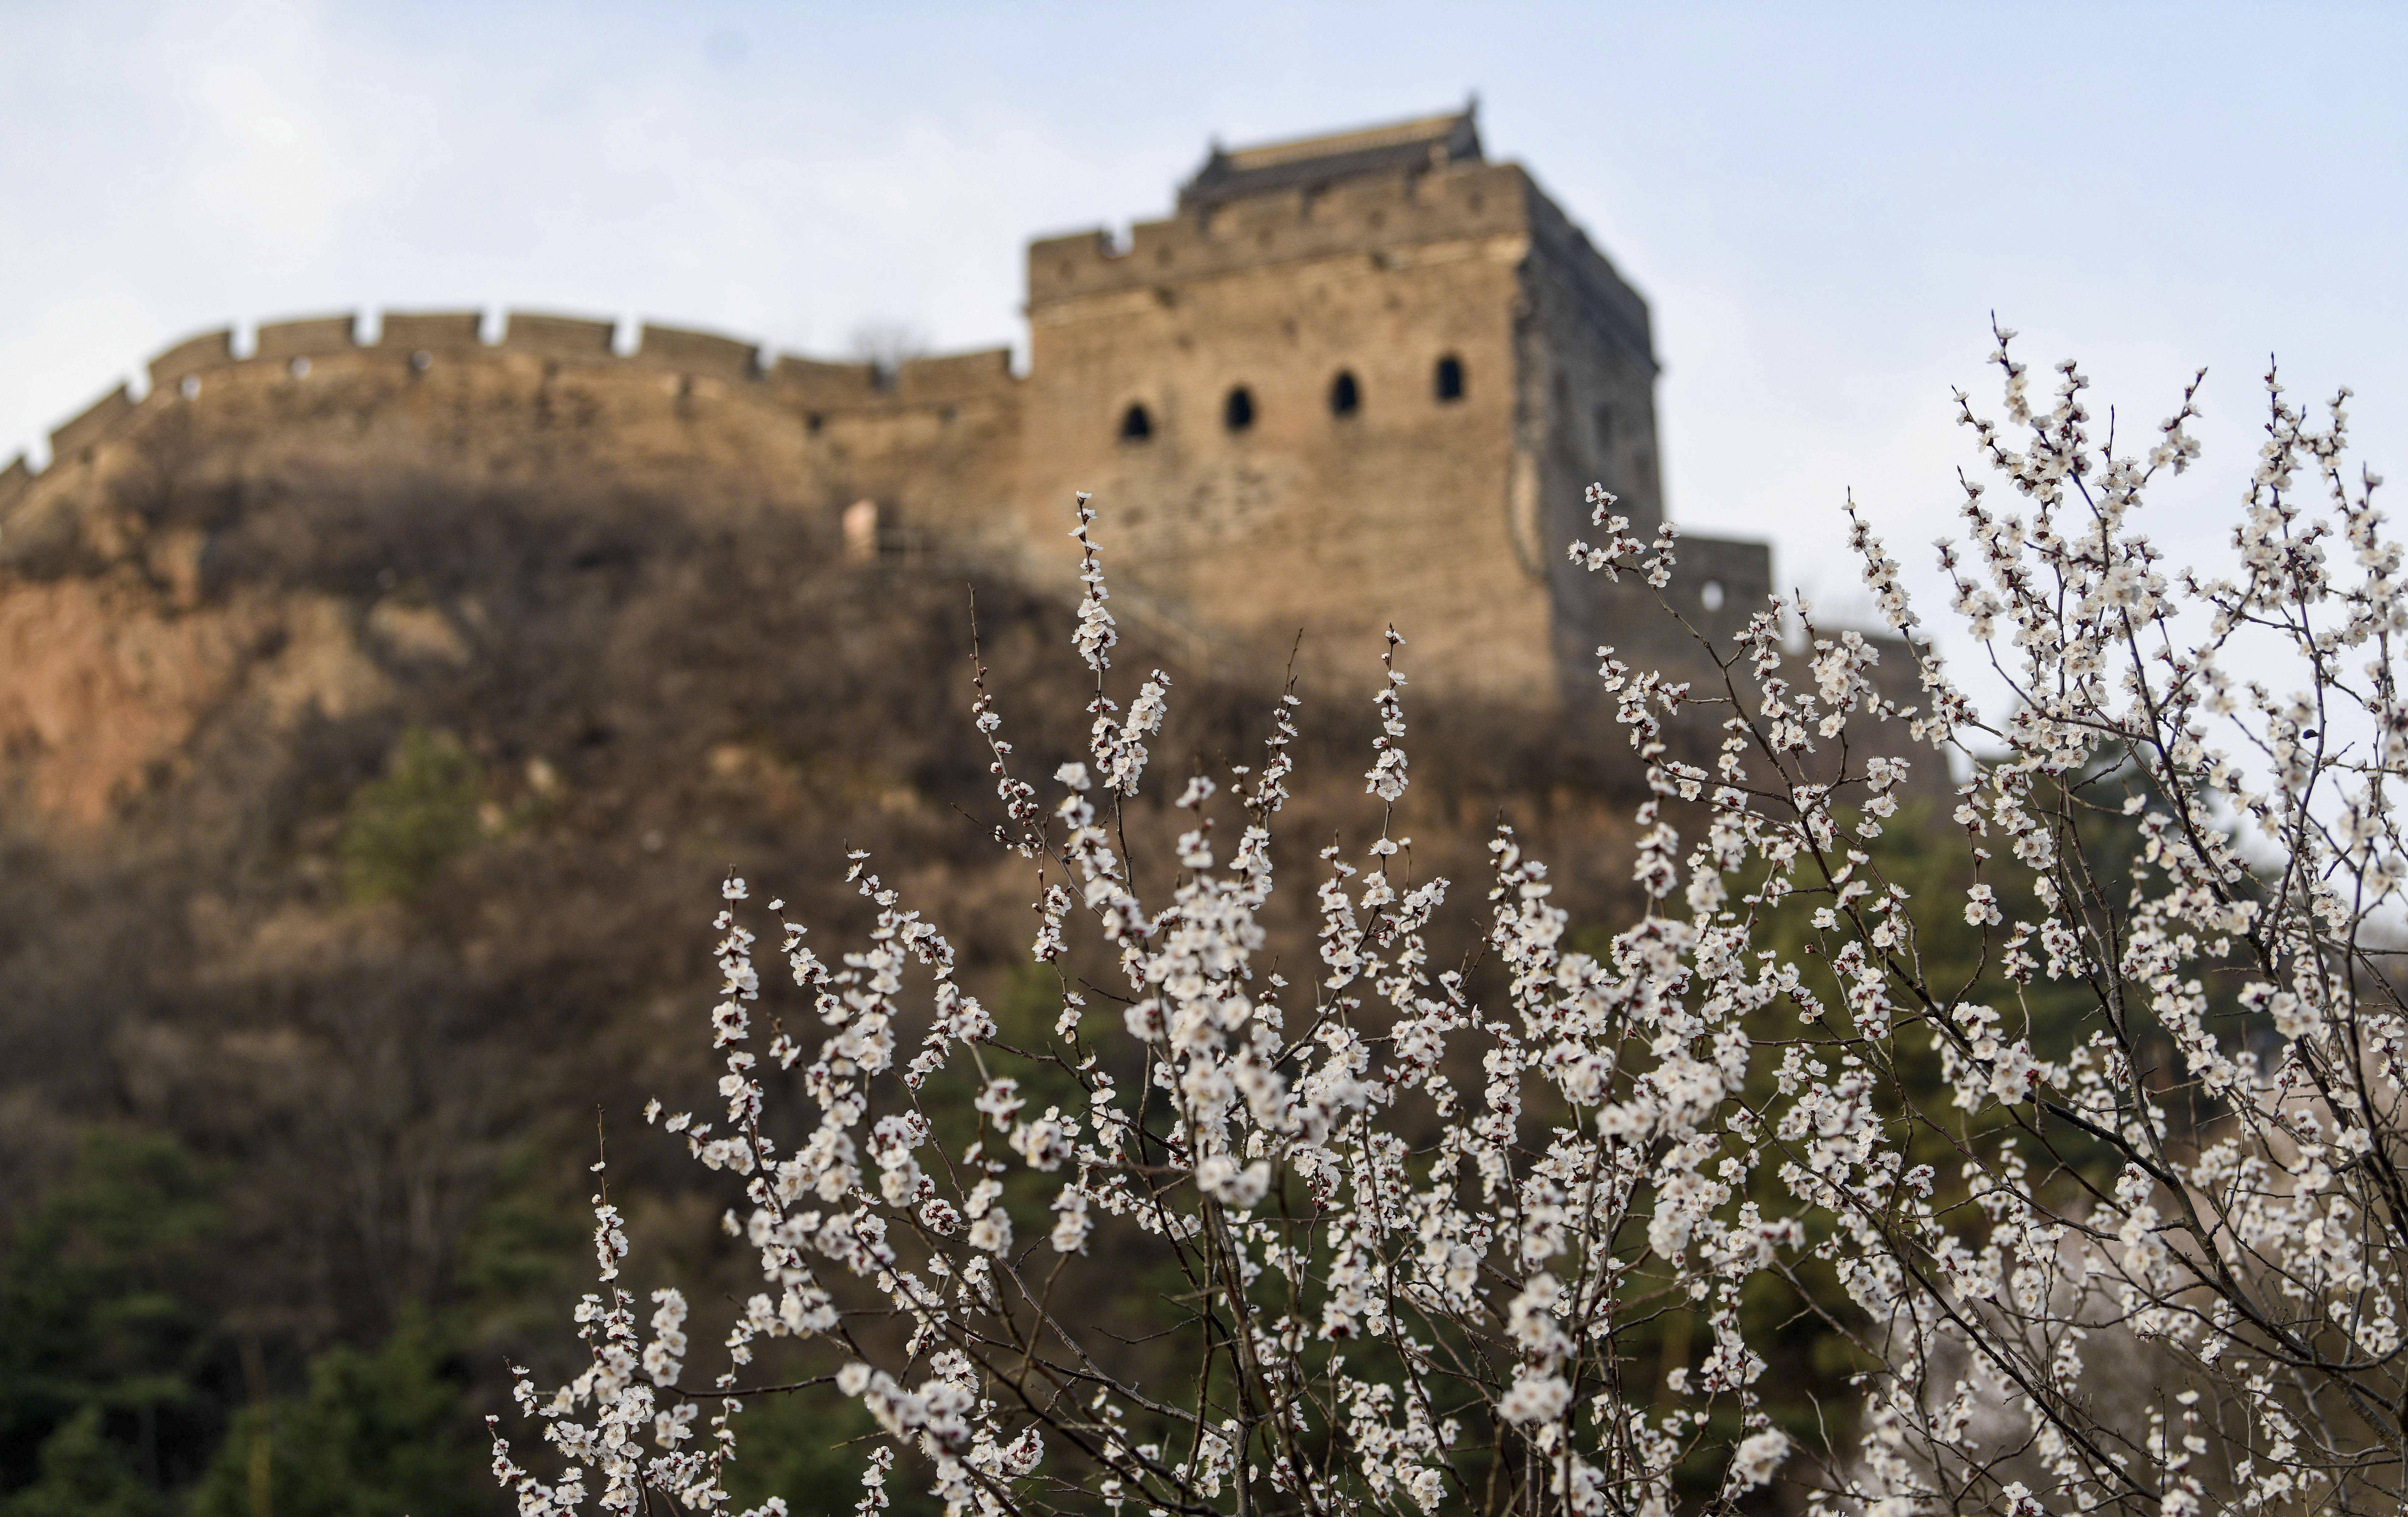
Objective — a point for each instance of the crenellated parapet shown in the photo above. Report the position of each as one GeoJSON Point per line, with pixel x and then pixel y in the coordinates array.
{"type": "Point", "coordinates": [191, 357]}
{"type": "Point", "coordinates": [420, 339]}
{"type": "Point", "coordinates": [572, 337]}
{"type": "Point", "coordinates": [1377, 216]}
{"type": "Point", "coordinates": [696, 353]}
{"type": "Point", "coordinates": [431, 332]}
{"type": "Point", "coordinates": [950, 379]}
{"type": "Point", "coordinates": [1350, 378]}
{"type": "Point", "coordinates": [90, 426]}
{"type": "Point", "coordinates": [813, 382]}
{"type": "Point", "coordinates": [315, 337]}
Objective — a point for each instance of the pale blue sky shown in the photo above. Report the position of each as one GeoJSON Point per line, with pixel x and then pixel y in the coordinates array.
{"type": "Point", "coordinates": [1823, 202]}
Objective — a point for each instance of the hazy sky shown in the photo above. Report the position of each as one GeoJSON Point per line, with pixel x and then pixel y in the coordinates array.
{"type": "Point", "coordinates": [1824, 202]}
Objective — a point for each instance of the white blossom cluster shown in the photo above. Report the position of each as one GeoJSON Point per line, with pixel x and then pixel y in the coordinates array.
{"type": "Point", "coordinates": [1432, 1221]}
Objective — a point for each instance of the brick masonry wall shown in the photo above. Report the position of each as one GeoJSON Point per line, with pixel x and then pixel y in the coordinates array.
{"type": "Point", "coordinates": [1448, 515]}
{"type": "Point", "coordinates": [1306, 520]}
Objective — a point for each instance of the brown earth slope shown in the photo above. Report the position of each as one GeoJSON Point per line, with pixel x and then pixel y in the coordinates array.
{"type": "Point", "coordinates": [361, 828]}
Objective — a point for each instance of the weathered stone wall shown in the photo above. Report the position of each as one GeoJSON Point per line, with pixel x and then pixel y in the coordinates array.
{"type": "Point", "coordinates": [1306, 520]}
{"type": "Point", "coordinates": [1587, 415]}
{"type": "Point", "coordinates": [689, 416]}
{"type": "Point", "coordinates": [1373, 216]}
{"type": "Point", "coordinates": [1447, 513]}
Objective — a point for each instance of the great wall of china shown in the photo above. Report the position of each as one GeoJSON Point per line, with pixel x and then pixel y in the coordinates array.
{"type": "Point", "coordinates": [1353, 378]}
{"type": "Point", "coordinates": [415, 343]}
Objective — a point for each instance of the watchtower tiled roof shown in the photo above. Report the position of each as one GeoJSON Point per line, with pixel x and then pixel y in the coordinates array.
{"type": "Point", "coordinates": [1231, 174]}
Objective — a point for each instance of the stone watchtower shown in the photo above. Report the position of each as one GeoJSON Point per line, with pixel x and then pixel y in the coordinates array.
{"type": "Point", "coordinates": [1353, 378]}
{"type": "Point", "coordinates": [1357, 377]}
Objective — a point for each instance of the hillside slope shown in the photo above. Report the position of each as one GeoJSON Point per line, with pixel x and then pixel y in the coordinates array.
{"type": "Point", "coordinates": [360, 831]}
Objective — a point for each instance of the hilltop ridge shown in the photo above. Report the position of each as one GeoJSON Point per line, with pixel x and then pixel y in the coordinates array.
{"type": "Point", "coordinates": [1349, 380]}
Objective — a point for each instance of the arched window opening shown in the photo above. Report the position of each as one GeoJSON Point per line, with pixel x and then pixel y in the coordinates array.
{"type": "Point", "coordinates": [1712, 596]}
{"type": "Point", "coordinates": [1345, 395]}
{"type": "Point", "coordinates": [1136, 425]}
{"type": "Point", "coordinates": [1238, 411]}
{"type": "Point", "coordinates": [1449, 380]}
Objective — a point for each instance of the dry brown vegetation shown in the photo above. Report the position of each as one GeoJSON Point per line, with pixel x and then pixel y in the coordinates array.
{"type": "Point", "coordinates": [357, 831]}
